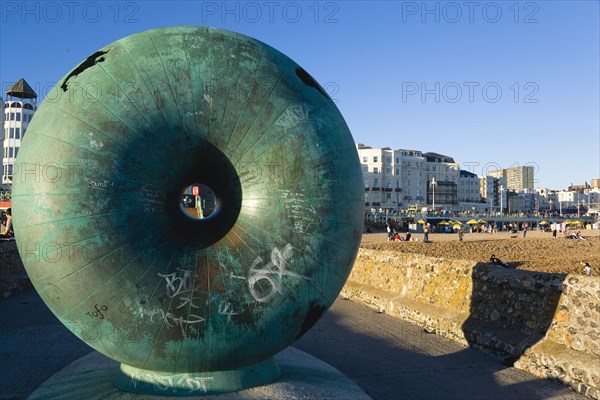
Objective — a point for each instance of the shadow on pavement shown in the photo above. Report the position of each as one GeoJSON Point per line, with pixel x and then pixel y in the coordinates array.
{"type": "Point", "coordinates": [386, 357]}
{"type": "Point", "coordinates": [391, 359]}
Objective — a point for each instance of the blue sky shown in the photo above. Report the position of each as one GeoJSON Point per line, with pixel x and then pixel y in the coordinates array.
{"type": "Point", "coordinates": [490, 83]}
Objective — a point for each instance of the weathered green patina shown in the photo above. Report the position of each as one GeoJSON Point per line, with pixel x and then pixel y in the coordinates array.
{"type": "Point", "coordinates": [97, 190]}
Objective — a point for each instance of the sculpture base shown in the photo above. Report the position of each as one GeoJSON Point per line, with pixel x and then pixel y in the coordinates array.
{"type": "Point", "coordinates": [303, 376]}
{"type": "Point", "coordinates": [137, 380]}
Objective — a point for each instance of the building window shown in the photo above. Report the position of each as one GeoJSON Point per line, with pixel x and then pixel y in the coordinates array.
{"type": "Point", "coordinates": [12, 116]}
{"type": "Point", "coordinates": [16, 151]}
{"type": "Point", "coordinates": [397, 171]}
{"type": "Point", "coordinates": [388, 160]}
{"type": "Point", "coordinates": [18, 116]}
{"type": "Point", "coordinates": [10, 152]}
{"type": "Point", "coordinates": [375, 170]}
{"type": "Point", "coordinates": [388, 171]}
{"type": "Point", "coordinates": [375, 182]}
{"type": "Point", "coordinates": [375, 159]}
{"type": "Point", "coordinates": [397, 183]}
{"type": "Point", "coordinates": [10, 170]}
{"type": "Point", "coordinates": [17, 133]}
{"type": "Point", "coordinates": [365, 159]}
{"type": "Point", "coordinates": [11, 135]}
{"type": "Point", "coordinates": [397, 160]}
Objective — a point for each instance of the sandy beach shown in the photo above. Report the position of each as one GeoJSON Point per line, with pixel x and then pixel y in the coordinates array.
{"type": "Point", "coordinates": [537, 252]}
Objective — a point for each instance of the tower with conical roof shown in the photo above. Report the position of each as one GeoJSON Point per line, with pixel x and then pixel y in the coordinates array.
{"type": "Point", "coordinates": [19, 108]}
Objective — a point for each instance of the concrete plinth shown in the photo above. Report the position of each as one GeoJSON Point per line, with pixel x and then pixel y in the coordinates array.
{"type": "Point", "coordinates": [302, 376]}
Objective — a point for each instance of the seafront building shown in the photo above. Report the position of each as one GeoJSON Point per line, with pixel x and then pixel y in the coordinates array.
{"type": "Point", "coordinates": [494, 191]}
{"type": "Point", "coordinates": [19, 108]}
{"type": "Point", "coordinates": [517, 178]}
{"type": "Point", "coordinates": [411, 179]}
{"type": "Point", "coordinates": [406, 178]}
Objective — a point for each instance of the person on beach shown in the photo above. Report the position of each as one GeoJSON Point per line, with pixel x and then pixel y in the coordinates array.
{"type": "Point", "coordinates": [426, 233]}
{"type": "Point", "coordinates": [8, 229]}
{"type": "Point", "coordinates": [461, 234]}
{"type": "Point", "coordinates": [496, 261]}
{"type": "Point", "coordinates": [587, 270]}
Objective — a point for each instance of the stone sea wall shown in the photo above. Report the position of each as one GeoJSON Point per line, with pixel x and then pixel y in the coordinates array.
{"type": "Point", "coordinates": [547, 324]}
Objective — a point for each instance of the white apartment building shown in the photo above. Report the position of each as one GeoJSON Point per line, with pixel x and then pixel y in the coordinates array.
{"type": "Point", "coordinates": [468, 187]}
{"type": "Point", "coordinates": [19, 108]}
{"type": "Point", "coordinates": [442, 180]}
{"type": "Point", "coordinates": [413, 180]}
{"type": "Point", "coordinates": [569, 200]}
{"type": "Point", "coordinates": [402, 178]}
{"type": "Point", "coordinates": [381, 176]}
{"type": "Point", "coordinates": [493, 191]}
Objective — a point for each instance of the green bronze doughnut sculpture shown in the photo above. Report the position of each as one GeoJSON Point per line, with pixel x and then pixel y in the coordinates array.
{"type": "Point", "coordinates": [186, 305]}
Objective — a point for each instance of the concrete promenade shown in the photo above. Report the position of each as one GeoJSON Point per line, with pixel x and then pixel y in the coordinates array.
{"type": "Point", "coordinates": [386, 357]}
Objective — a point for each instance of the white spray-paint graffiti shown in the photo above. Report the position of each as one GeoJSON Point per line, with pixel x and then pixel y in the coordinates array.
{"type": "Point", "coordinates": [104, 184]}
{"type": "Point", "coordinates": [96, 144]}
{"type": "Point", "coordinates": [172, 382]}
{"type": "Point", "coordinates": [295, 207]}
{"type": "Point", "coordinates": [178, 284]}
{"type": "Point", "coordinates": [297, 113]}
{"type": "Point", "coordinates": [168, 319]}
{"type": "Point", "coordinates": [271, 273]}
{"type": "Point", "coordinates": [226, 309]}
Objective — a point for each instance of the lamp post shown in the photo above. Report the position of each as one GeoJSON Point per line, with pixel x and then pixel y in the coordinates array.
{"type": "Point", "coordinates": [551, 202]}
{"type": "Point", "coordinates": [501, 193]}
{"type": "Point", "coordinates": [560, 207]}
{"type": "Point", "coordinates": [433, 183]}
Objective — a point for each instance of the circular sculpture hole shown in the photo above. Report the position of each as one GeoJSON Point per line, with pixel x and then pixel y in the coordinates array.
{"type": "Point", "coordinates": [198, 201]}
